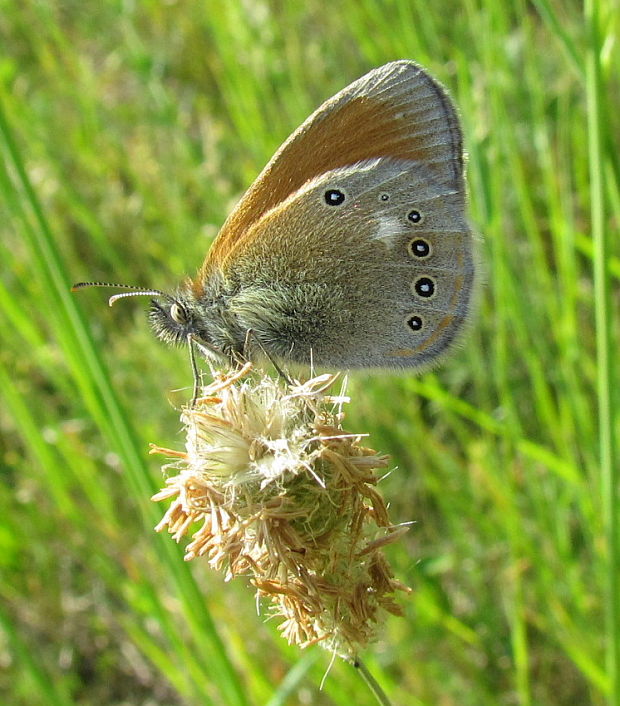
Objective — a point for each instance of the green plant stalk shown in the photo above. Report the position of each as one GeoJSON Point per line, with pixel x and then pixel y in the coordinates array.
{"type": "Point", "coordinates": [605, 355]}
{"type": "Point", "coordinates": [372, 683]}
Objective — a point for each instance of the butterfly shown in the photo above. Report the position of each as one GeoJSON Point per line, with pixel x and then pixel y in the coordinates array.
{"type": "Point", "coordinates": [351, 249]}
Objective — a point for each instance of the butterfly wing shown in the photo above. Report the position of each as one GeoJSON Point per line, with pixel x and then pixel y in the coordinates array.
{"type": "Point", "coordinates": [396, 110]}
{"type": "Point", "coordinates": [368, 265]}
{"type": "Point", "coordinates": [351, 249]}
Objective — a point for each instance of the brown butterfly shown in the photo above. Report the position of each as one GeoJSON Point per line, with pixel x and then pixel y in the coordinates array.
{"type": "Point", "coordinates": [352, 247]}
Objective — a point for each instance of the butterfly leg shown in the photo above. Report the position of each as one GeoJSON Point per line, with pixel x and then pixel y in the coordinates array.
{"type": "Point", "coordinates": [250, 335]}
{"type": "Point", "coordinates": [195, 371]}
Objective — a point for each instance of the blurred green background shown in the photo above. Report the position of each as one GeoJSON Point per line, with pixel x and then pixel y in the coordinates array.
{"type": "Point", "coordinates": [128, 130]}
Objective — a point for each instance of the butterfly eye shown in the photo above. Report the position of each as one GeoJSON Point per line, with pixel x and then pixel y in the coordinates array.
{"type": "Point", "coordinates": [334, 197]}
{"type": "Point", "coordinates": [178, 313]}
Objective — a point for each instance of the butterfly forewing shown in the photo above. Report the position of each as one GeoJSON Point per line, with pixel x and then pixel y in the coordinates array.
{"type": "Point", "coordinates": [396, 110]}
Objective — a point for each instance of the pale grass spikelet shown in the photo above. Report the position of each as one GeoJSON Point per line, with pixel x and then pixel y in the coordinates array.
{"type": "Point", "coordinates": [270, 486]}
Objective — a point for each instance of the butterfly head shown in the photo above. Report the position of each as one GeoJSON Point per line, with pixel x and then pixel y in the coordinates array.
{"type": "Point", "coordinates": [175, 319]}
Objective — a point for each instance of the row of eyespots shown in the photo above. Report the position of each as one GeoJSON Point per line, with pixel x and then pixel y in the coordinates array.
{"type": "Point", "coordinates": [419, 247]}
{"type": "Point", "coordinates": [414, 216]}
{"type": "Point", "coordinates": [336, 197]}
{"type": "Point", "coordinates": [423, 286]}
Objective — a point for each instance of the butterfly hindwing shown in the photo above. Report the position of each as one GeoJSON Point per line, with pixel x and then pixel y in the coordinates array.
{"type": "Point", "coordinates": [368, 265]}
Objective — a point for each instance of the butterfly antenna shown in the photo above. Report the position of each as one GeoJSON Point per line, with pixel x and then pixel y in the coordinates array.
{"type": "Point", "coordinates": [136, 291]}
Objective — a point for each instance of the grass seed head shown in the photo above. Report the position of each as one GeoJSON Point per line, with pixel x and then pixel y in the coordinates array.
{"type": "Point", "coordinates": [270, 486]}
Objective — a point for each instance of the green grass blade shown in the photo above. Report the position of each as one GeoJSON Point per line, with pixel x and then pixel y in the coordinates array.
{"type": "Point", "coordinates": [605, 344]}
